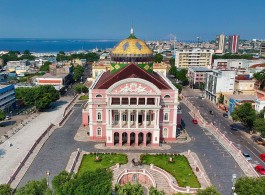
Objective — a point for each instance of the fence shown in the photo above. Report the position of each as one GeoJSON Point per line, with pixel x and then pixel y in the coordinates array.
{"type": "Point", "coordinates": [70, 104]}
{"type": "Point", "coordinates": [65, 117]}
{"type": "Point", "coordinates": [75, 160]}
{"type": "Point", "coordinates": [223, 140]}
{"type": "Point", "coordinates": [46, 132]}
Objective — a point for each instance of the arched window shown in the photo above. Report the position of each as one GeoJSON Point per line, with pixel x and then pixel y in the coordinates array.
{"type": "Point", "coordinates": [99, 116]}
{"type": "Point", "coordinates": [99, 131]}
{"type": "Point", "coordinates": [165, 132]}
{"type": "Point", "coordinates": [166, 116]}
{"type": "Point", "coordinates": [167, 96]}
{"type": "Point", "coordinates": [99, 96]}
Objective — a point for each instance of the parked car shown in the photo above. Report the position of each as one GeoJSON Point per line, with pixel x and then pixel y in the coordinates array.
{"type": "Point", "coordinates": [211, 112]}
{"type": "Point", "coordinates": [258, 140]}
{"type": "Point", "coordinates": [260, 169]}
{"type": "Point", "coordinates": [246, 155]}
{"type": "Point", "coordinates": [234, 127]}
{"type": "Point", "coordinates": [225, 115]}
{"type": "Point", "coordinates": [262, 157]}
{"type": "Point", "coordinates": [8, 117]}
{"type": "Point", "coordinates": [194, 121]}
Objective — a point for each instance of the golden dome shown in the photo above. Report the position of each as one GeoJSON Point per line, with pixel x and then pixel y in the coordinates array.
{"type": "Point", "coordinates": [132, 46]}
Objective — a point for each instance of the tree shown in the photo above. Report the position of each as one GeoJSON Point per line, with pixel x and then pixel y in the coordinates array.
{"type": "Point", "coordinates": [179, 87]}
{"type": "Point", "coordinates": [129, 189]}
{"type": "Point", "coordinates": [2, 115]}
{"type": "Point", "coordinates": [172, 62]}
{"type": "Point", "coordinates": [26, 52]}
{"type": "Point", "coordinates": [245, 114]}
{"type": "Point", "coordinates": [182, 76]}
{"type": "Point", "coordinates": [260, 76]}
{"type": "Point", "coordinates": [5, 189]}
{"type": "Point", "coordinates": [158, 58]}
{"type": "Point", "coordinates": [208, 191]}
{"type": "Point", "coordinates": [45, 66]}
{"type": "Point", "coordinates": [221, 98]}
{"type": "Point", "coordinates": [154, 191]}
{"type": "Point", "coordinates": [250, 185]}
{"type": "Point", "coordinates": [173, 70]}
{"type": "Point", "coordinates": [78, 72]}
{"type": "Point", "coordinates": [60, 182]}
{"type": "Point", "coordinates": [259, 125]}
{"type": "Point", "coordinates": [80, 88]}
{"type": "Point", "coordinates": [35, 187]}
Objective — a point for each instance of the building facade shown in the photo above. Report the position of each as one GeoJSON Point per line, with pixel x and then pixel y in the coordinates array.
{"type": "Point", "coordinates": [186, 58]}
{"type": "Point", "coordinates": [197, 76]}
{"type": "Point", "coordinates": [220, 44]}
{"type": "Point", "coordinates": [262, 49]}
{"type": "Point", "coordinates": [244, 85]}
{"type": "Point", "coordinates": [233, 43]}
{"type": "Point", "coordinates": [130, 104]}
{"type": "Point", "coordinates": [7, 97]}
{"type": "Point", "coordinates": [219, 81]}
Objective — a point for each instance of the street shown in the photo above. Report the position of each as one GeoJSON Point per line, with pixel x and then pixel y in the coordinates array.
{"type": "Point", "coordinates": [237, 137]}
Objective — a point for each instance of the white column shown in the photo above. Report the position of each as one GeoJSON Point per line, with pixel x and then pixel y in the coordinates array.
{"type": "Point", "coordinates": [137, 118]}
{"type": "Point", "coordinates": [120, 117]}
{"type": "Point", "coordinates": [107, 117]}
{"type": "Point", "coordinates": [145, 102]}
{"type": "Point", "coordinates": [155, 118]}
{"type": "Point", "coordinates": [137, 101]}
{"type": "Point", "coordinates": [145, 117]}
{"type": "Point", "coordinates": [129, 100]}
{"type": "Point", "coordinates": [120, 100]}
{"type": "Point", "coordinates": [111, 117]}
{"type": "Point", "coordinates": [129, 119]}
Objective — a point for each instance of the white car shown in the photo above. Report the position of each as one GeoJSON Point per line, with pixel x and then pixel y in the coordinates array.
{"type": "Point", "coordinates": [246, 155]}
{"type": "Point", "coordinates": [8, 117]}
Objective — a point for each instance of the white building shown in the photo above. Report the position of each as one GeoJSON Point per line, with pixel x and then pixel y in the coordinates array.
{"type": "Point", "coordinates": [235, 63]}
{"type": "Point", "coordinates": [260, 104]}
{"type": "Point", "coordinates": [219, 81]}
{"type": "Point", "coordinates": [186, 58]}
{"type": "Point", "coordinates": [220, 44]}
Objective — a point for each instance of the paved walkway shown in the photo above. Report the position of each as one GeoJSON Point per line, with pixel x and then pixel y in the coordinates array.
{"type": "Point", "coordinates": [15, 149]}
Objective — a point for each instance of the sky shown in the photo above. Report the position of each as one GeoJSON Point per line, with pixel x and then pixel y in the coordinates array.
{"type": "Point", "coordinates": [112, 19]}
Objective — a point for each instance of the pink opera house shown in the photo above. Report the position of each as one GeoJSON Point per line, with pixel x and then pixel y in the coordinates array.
{"type": "Point", "coordinates": [130, 104]}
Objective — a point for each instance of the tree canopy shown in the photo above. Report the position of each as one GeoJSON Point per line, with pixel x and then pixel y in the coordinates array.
{"type": "Point", "coordinates": [172, 62]}
{"type": "Point", "coordinates": [250, 185]}
{"type": "Point", "coordinates": [245, 114]}
{"type": "Point", "coordinates": [35, 187]}
{"type": "Point", "coordinates": [129, 189]}
{"type": "Point", "coordinates": [208, 191]}
{"type": "Point", "coordinates": [5, 189]}
{"type": "Point", "coordinates": [78, 72]}
{"type": "Point", "coordinates": [45, 66]}
{"type": "Point", "coordinates": [39, 96]}
{"type": "Point", "coordinates": [154, 191]}
{"type": "Point", "coordinates": [259, 126]}
{"type": "Point", "coordinates": [260, 76]}
{"type": "Point", "coordinates": [233, 56]}
{"type": "Point", "coordinates": [158, 58]}
{"type": "Point", "coordinates": [181, 75]}
{"type": "Point", "coordinates": [80, 88]}
{"type": "Point", "coordinates": [2, 115]}
{"type": "Point", "coordinates": [90, 57]}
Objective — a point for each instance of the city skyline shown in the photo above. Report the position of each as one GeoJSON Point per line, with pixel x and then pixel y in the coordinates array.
{"type": "Point", "coordinates": [152, 20]}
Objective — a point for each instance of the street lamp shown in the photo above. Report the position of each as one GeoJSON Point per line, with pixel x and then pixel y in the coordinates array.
{"type": "Point", "coordinates": [233, 182]}
{"type": "Point", "coordinates": [48, 175]}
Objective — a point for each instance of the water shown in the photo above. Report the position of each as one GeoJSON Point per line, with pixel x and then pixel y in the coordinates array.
{"type": "Point", "coordinates": [54, 45]}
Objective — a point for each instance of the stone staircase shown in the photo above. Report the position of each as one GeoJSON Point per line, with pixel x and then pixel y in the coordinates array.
{"type": "Point", "coordinates": [161, 181]}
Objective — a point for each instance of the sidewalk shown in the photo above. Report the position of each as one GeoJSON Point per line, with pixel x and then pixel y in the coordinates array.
{"type": "Point", "coordinates": [16, 148]}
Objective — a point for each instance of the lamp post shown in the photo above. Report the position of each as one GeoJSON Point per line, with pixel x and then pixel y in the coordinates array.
{"type": "Point", "coordinates": [233, 182]}
{"type": "Point", "coordinates": [48, 175]}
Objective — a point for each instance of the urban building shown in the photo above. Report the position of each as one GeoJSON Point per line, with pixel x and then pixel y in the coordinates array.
{"type": "Point", "coordinates": [237, 100]}
{"type": "Point", "coordinates": [130, 104]}
{"type": "Point", "coordinates": [235, 63]}
{"type": "Point", "coordinates": [244, 85]}
{"type": "Point", "coordinates": [59, 81]}
{"type": "Point", "coordinates": [186, 58]}
{"type": "Point", "coordinates": [19, 67]}
{"type": "Point", "coordinates": [197, 76]}
{"type": "Point", "coordinates": [262, 49]}
{"type": "Point", "coordinates": [257, 68]}
{"type": "Point", "coordinates": [260, 104]}
{"type": "Point", "coordinates": [219, 82]}
{"type": "Point", "coordinates": [233, 43]}
{"type": "Point", "coordinates": [220, 44]}
{"type": "Point", "coordinates": [7, 98]}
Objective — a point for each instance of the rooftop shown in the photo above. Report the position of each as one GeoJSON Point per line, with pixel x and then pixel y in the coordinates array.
{"type": "Point", "coordinates": [130, 71]}
{"type": "Point", "coordinates": [242, 97]}
{"type": "Point", "coordinates": [200, 69]}
{"type": "Point", "coordinates": [258, 66]}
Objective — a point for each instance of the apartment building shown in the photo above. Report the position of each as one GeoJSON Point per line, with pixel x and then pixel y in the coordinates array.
{"type": "Point", "coordinates": [262, 49]}
{"type": "Point", "coordinates": [220, 44]}
{"type": "Point", "coordinates": [244, 85]}
{"type": "Point", "coordinates": [233, 43]}
{"type": "Point", "coordinates": [7, 97]}
{"type": "Point", "coordinates": [197, 76]}
{"type": "Point", "coordinates": [219, 81]}
{"type": "Point", "coordinates": [186, 58]}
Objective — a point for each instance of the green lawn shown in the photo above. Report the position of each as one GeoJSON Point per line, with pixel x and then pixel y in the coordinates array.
{"type": "Point", "coordinates": [180, 168]}
{"type": "Point", "coordinates": [83, 97]}
{"type": "Point", "coordinates": [107, 160]}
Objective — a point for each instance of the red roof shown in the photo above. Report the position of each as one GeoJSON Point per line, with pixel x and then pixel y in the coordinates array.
{"type": "Point", "coordinates": [49, 81]}
{"type": "Point", "coordinates": [130, 71]}
{"type": "Point", "coordinates": [258, 65]}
